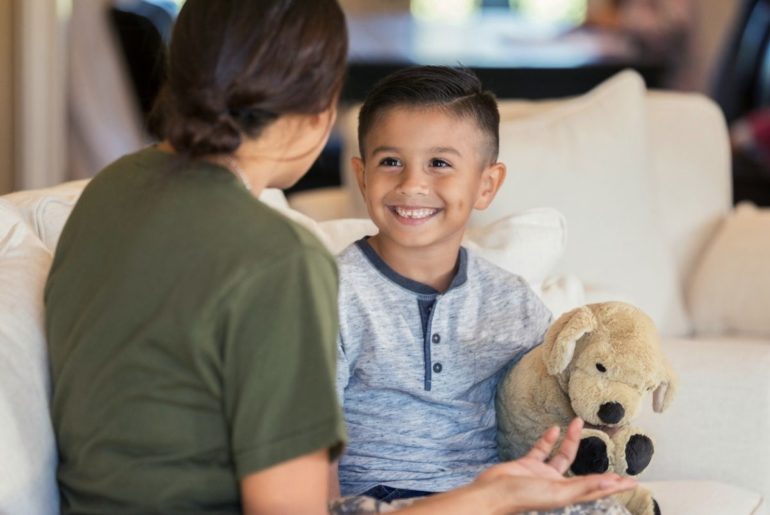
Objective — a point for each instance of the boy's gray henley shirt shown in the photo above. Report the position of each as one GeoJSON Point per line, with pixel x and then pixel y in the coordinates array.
{"type": "Point", "coordinates": [417, 369]}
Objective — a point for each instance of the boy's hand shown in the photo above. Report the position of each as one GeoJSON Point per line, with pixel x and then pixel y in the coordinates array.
{"type": "Point", "coordinates": [537, 483]}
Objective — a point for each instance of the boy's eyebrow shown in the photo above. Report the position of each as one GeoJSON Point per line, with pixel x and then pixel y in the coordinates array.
{"type": "Point", "coordinates": [384, 149]}
{"type": "Point", "coordinates": [445, 150]}
{"type": "Point", "coordinates": [433, 150]}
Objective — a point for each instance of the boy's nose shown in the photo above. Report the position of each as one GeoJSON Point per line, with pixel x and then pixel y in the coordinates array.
{"type": "Point", "coordinates": [413, 182]}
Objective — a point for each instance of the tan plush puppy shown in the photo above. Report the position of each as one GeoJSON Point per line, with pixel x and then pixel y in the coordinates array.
{"type": "Point", "coordinates": [597, 362]}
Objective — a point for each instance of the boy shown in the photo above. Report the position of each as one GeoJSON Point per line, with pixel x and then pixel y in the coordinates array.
{"type": "Point", "coordinates": [427, 327]}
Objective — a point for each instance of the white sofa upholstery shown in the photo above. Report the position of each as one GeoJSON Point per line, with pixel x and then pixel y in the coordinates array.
{"type": "Point", "coordinates": [712, 446]}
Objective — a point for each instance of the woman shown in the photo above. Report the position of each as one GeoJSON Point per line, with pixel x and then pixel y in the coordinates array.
{"type": "Point", "coordinates": [191, 328]}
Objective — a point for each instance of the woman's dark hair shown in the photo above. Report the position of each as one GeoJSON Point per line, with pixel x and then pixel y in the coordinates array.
{"type": "Point", "coordinates": [237, 65]}
{"type": "Point", "coordinates": [456, 90]}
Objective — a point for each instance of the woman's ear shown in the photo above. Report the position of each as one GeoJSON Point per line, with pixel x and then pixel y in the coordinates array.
{"type": "Point", "coordinates": [323, 120]}
{"type": "Point", "coordinates": [358, 169]}
{"type": "Point", "coordinates": [562, 337]}
{"type": "Point", "coordinates": [492, 178]}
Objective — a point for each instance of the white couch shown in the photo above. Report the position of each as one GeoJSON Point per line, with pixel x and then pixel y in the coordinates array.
{"type": "Point", "coordinates": [712, 446]}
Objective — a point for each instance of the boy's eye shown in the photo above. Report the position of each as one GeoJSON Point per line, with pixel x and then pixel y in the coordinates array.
{"type": "Point", "coordinates": [390, 161]}
{"type": "Point", "coordinates": [439, 163]}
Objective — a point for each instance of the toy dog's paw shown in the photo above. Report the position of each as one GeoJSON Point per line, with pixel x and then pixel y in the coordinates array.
{"type": "Point", "coordinates": [633, 449]}
{"type": "Point", "coordinates": [639, 450]}
{"type": "Point", "coordinates": [592, 457]}
{"type": "Point", "coordinates": [639, 501]}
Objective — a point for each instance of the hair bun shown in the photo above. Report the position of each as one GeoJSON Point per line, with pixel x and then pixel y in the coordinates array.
{"type": "Point", "coordinates": [197, 136]}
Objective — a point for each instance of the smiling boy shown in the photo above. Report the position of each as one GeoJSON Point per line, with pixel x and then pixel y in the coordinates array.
{"type": "Point", "coordinates": [427, 327]}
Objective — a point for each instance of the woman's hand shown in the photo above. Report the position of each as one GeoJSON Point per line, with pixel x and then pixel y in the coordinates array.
{"type": "Point", "coordinates": [536, 482]}
{"type": "Point", "coordinates": [531, 483]}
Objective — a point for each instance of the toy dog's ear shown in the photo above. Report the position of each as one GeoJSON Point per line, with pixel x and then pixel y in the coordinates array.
{"type": "Point", "coordinates": [562, 336]}
{"type": "Point", "coordinates": [664, 391]}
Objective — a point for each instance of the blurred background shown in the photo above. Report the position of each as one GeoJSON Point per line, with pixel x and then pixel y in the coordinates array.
{"type": "Point", "coordinates": [78, 77]}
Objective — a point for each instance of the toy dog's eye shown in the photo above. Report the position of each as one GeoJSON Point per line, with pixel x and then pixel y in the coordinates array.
{"type": "Point", "coordinates": [600, 367]}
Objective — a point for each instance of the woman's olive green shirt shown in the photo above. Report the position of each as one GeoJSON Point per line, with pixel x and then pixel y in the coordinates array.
{"type": "Point", "coordinates": [191, 332]}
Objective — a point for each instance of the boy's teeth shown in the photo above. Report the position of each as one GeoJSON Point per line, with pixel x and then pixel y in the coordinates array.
{"type": "Point", "coordinates": [415, 213]}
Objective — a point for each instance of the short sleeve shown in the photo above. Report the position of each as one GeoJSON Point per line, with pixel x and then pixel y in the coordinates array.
{"type": "Point", "coordinates": [535, 320]}
{"type": "Point", "coordinates": [279, 360]}
{"type": "Point", "coordinates": [538, 315]}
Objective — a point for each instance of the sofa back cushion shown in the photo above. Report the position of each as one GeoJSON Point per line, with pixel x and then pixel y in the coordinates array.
{"type": "Point", "coordinates": [588, 158]}
{"type": "Point", "coordinates": [690, 163]}
{"type": "Point", "coordinates": [27, 446]}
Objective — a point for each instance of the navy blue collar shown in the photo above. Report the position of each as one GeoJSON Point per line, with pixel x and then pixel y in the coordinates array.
{"type": "Point", "coordinates": [461, 275]}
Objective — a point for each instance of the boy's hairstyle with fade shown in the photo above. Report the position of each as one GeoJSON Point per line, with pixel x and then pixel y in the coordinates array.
{"type": "Point", "coordinates": [455, 90]}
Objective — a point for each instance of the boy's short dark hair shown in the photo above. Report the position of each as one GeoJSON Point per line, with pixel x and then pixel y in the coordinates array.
{"type": "Point", "coordinates": [457, 90]}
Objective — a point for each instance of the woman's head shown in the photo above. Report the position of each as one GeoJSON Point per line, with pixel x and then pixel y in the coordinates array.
{"type": "Point", "coordinates": [235, 66]}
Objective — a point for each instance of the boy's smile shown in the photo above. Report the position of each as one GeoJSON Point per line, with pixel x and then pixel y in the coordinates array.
{"type": "Point", "coordinates": [424, 171]}
{"type": "Point", "coordinates": [413, 215]}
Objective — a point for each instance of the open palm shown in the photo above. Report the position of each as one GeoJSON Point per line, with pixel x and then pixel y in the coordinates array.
{"type": "Point", "coordinates": [538, 478]}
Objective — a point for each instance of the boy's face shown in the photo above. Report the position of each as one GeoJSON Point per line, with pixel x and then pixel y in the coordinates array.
{"type": "Point", "coordinates": [424, 171]}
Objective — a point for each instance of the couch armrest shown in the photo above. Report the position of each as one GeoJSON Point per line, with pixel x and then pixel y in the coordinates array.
{"type": "Point", "coordinates": [718, 427]}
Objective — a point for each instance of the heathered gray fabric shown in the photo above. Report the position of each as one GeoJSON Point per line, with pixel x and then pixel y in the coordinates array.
{"type": "Point", "coordinates": [400, 433]}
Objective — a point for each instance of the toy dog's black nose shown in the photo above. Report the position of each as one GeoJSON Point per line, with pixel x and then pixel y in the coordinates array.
{"type": "Point", "coordinates": [611, 412]}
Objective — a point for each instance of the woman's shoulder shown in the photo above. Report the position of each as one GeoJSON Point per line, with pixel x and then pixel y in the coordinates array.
{"type": "Point", "coordinates": [175, 208]}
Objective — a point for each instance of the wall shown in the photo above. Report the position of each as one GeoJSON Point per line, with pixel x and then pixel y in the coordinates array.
{"type": "Point", "coordinates": [6, 96]}
{"type": "Point", "coordinates": [40, 92]}
{"type": "Point", "coordinates": [713, 24]}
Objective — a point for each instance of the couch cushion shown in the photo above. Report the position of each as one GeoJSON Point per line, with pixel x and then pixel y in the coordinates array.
{"type": "Point", "coordinates": [587, 157]}
{"type": "Point", "coordinates": [27, 446]}
{"type": "Point", "coordinates": [717, 426]}
{"type": "Point", "coordinates": [730, 289]}
{"type": "Point", "coordinates": [704, 498]}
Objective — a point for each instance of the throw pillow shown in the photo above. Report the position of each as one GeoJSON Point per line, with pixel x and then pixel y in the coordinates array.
{"type": "Point", "coordinates": [527, 243]}
{"type": "Point", "coordinates": [730, 290]}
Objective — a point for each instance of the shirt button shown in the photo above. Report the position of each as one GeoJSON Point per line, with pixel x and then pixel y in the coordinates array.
{"type": "Point", "coordinates": [436, 338]}
{"type": "Point", "coordinates": [437, 368]}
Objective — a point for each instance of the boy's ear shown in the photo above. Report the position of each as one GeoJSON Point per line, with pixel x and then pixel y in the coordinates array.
{"type": "Point", "coordinates": [492, 178]}
{"type": "Point", "coordinates": [358, 169]}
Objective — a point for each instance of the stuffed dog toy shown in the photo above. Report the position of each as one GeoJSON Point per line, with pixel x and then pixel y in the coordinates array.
{"type": "Point", "coordinates": [597, 362]}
